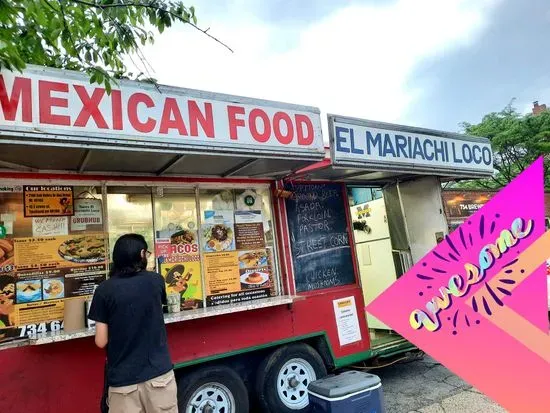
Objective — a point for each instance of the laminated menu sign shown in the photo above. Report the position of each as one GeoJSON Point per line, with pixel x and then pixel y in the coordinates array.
{"type": "Point", "coordinates": [86, 212]}
{"type": "Point", "coordinates": [237, 266]}
{"type": "Point", "coordinates": [48, 201]}
{"type": "Point", "coordinates": [347, 321]}
{"type": "Point", "coordinates": [51, 269]}
{"type": "Point", "coordinates": [237, 276]}
{"type": "Point", "coordinates": [222, 273]}
{"type": "Point", "coordinates": [249, 230]}
{"type": "Point", "coordinates": [179, 262]}
{"type": "Point", "coordinates": [58, 267]}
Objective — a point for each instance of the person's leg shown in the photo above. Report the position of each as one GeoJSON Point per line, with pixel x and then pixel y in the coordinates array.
{"type": "Point", "coordinates": [161, 394]}
{"type": "Point", "coordinates": [125, 399]}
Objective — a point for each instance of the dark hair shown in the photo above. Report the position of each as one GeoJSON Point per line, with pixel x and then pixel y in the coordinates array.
{"type": "Point", "coordinates": [127, 259]}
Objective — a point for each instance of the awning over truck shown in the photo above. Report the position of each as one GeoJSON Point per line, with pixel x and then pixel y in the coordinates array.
{"type": "Point", "coordinates": [376, 153]}
{"type": "Point", "coordinates": [52, 120]}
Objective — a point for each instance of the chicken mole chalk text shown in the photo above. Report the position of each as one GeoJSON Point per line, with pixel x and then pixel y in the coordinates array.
{"type": "Point", "coordinates": [459, 286]}
{"type": "Point", "coordinates": [63, 103]}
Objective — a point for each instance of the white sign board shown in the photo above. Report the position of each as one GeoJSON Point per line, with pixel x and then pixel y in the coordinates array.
{"type": "Point", "coordinates": [347, 321]}
{"type": "Point", "coordinates": [86, 212]}
{"type": "Point", "coordinates": [65, 103]}
{"type": "Point", "coordinates": [369, 144]}
{"type": "Point", "coordinates": [50, 226]}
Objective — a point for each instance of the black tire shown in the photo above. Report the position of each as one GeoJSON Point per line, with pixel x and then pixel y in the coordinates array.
{"type": "Point", "coordinates": [268, 373]}
{"type": "Point", "coordinates": [189, 384]}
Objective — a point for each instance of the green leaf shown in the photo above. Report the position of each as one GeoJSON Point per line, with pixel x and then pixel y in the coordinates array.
{"type": "Point", "coordinates": [75, 36]}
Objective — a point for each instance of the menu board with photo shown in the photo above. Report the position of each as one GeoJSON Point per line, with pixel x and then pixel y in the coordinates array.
{"type": "Point", "coordinates": [51, 269]}
{"type": "Point", "coordinates": [177, 252]}
{"type": "Point", "coordinates": [237, 265]}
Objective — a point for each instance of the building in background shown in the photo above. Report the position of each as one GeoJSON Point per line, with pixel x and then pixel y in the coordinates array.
{"type": "Point", "coordinates": [461, 204]}
{"type": "Point", "coordinates": [538, 109]}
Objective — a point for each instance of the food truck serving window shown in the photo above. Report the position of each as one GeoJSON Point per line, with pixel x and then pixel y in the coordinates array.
{"type": "Point", "coordinates": [212, 246]}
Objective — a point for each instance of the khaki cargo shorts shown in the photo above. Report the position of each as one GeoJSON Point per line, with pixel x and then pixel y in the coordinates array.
{"type": "Point", "coordinates": [158, 395]}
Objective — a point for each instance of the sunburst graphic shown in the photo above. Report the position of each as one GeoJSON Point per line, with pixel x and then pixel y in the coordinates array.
{"type": "Point", "coordinates": [495, 292]}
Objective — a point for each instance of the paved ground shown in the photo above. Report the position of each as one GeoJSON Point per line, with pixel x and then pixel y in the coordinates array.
{"type": "Point", "coordinates": [426, 386]}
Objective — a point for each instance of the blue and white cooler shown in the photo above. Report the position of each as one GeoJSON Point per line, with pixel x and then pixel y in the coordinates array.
{"type": "Point", "coordinates": [349, 392]}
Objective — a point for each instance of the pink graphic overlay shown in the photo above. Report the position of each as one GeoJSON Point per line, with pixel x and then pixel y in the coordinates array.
{"type": "Point", "coordinates": [478, 302]}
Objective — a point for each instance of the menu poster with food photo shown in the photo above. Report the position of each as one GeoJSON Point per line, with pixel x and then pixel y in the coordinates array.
{"type": "Point", "coordinates": [180, 265]}
{"type": "Point", "coordinates": [59, 267]}
{"type": "Point", "coordinates": [218, 231]}
{"type": "Point", "coordinates": [59, 251]}
{"type": "Point", "coordinates": [184, 278]}
{"type": "Point", "coordinates": [255, 270]}
{"type": "Point", "coordinates": [48, 201]}
{"type": "Point", "coordinates": [233, 277]}
{"type": "Point", "coordinates": [249, 230]}
{"type": "Point", "coordinates": [87, 211]}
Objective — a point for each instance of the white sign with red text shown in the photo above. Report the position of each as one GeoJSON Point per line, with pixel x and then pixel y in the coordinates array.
{"type": "Point", "coordinates": [58, 102]}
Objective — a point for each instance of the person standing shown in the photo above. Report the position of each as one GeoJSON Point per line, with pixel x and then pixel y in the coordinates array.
{"type": "Point", "coordinates": [127, 309]}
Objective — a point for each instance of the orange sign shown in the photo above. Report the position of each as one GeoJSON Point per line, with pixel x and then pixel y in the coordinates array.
{"type": "Point", "coordinates": [48, 201]}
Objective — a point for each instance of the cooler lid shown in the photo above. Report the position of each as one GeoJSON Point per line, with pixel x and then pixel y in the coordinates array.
{"type": "Point", "coordinates": [343, 384]}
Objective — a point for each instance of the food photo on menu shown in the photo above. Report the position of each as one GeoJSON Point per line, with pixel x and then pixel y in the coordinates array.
{"type": "Point", "coordinates": [254, 269]}
{"type": "Point", "coordinates": [53, 288]}
{"type": "Point", "coordinates": [28, 291]}
{"type": "Point", "coordinates": [218, 231]}
{"type": "Point", "coordinates": [87, 249]}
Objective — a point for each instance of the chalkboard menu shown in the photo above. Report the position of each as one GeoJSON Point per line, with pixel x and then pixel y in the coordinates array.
{"type": "Point", "coordinates": [319, 237]}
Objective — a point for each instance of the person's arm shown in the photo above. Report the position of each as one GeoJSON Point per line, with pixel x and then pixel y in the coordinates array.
{"type": "Point", "coordinates": [100, 314]}
{"type": "Point", "coordinates": [101, 334]}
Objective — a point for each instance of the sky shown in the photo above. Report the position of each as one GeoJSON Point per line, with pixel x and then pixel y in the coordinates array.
{"type": "Point", "coordinates": [428, 63]}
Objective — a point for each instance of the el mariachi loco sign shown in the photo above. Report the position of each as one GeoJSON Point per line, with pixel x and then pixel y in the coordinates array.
{"type": "Point", "coordinates": [64, 102]}
{"type": "Point", "coordinates": [478, 301]}
{"type": "Point", "coordinates": [382, 145]}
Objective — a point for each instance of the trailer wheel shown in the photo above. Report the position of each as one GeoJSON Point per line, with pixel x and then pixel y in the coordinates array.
{"type": "Point", "coordinates": [283, 378]}
{"type": "Point", "coordinates": [216, 389]}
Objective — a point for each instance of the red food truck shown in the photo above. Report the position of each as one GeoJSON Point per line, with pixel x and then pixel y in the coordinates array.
{"type": "Point", "coordinates": [270, 247]}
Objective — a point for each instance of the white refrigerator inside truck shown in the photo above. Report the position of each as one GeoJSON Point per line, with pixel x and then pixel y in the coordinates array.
{"type": "Point", "coordinates": [374, 252]}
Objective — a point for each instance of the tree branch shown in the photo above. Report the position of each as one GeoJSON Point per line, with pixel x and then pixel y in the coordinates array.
{"type": "Point", "coordinates": [151, 6]}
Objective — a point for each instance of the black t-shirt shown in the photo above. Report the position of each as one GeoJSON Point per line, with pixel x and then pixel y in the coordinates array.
{"type": "Point", "coordinates": [131, 306]}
